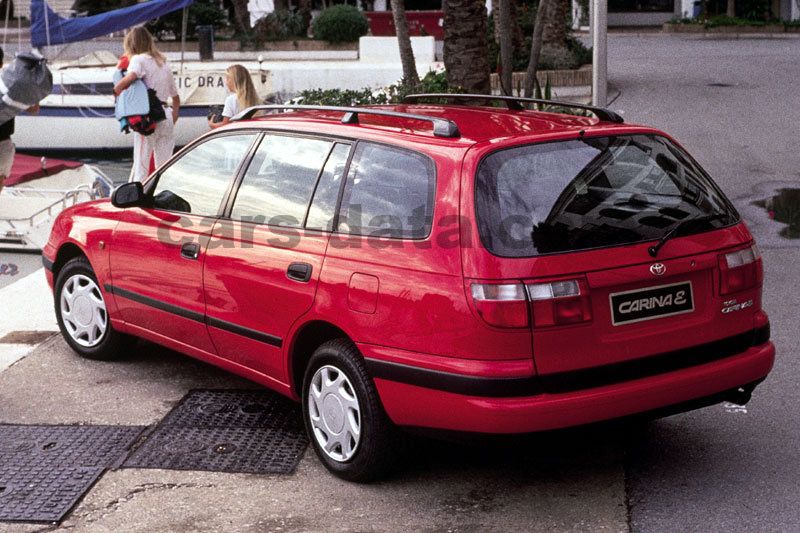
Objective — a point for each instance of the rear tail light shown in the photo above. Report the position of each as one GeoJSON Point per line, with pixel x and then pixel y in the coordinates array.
{"type": "Point", "coordinates": [740, 270]}
{"type": "Point", "coordinates": [504, 306]}
{"type": "Point", "coordinates": [559, 302]}
{"type": "Point", "coordinates": [551, 304]}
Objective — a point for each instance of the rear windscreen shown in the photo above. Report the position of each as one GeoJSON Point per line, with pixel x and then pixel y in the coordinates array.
{"type": "Point", "coordinates": [593, 192]}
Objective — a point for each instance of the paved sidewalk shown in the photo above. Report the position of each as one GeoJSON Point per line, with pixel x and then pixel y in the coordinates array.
{"type": "Point", "coordinates": [566, 481]}
{"type": "Point", "coordinates": [27, 317]}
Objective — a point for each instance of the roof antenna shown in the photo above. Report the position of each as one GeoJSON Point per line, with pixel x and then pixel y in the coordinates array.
{"type": "Point", "coordinates": [581, 133]}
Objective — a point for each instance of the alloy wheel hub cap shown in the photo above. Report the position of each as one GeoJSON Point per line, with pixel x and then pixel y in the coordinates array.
{"type": "Point", "coordinates": [334, 413]}
{"type": "Point", "coordinates": [83, 310]}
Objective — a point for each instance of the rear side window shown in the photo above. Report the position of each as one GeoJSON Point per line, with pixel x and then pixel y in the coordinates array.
{"type": "Point", "coordinates": [278, 184]}
{"type": "Point", "coordinates": [388, 193]}
{"type": "Point", "coordinates": [595, 192]}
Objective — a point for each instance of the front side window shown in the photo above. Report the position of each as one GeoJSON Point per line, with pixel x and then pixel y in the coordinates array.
{"type": "Point", "coordinates": [197, 182]}
{"type": "Point", "coordinates": [280, 180]}
{"type": "Point", "coordinates": [590, 193]}
{"type": "Point", "coordinates": [388, 193]}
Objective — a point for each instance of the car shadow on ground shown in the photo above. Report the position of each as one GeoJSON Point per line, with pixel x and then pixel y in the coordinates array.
{"type": "Point", "coordinates": [546, 455]}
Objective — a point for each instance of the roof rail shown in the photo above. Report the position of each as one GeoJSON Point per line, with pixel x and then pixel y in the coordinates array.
{"type": "Point", "coordinates": [513, 102]}
{"type": "Point", "coordinates": [442, 127]}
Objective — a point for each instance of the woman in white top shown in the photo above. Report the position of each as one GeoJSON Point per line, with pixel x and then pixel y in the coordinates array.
{"type": "Point", "coordinates": [150, 65]}
{"type": "Point", "coordinates": [243, 94]}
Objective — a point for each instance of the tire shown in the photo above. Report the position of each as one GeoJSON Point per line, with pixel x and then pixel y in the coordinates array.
{"type": "Point", "coordinates": [373, 450]}
{"type": "Point", "coordinates": [82, 314]}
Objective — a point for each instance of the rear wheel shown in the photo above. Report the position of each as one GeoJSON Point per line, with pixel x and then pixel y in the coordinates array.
{"type": "Point", "coordinates": [343, 415]}
{"type": "Point", "coordinates": [82, 314]}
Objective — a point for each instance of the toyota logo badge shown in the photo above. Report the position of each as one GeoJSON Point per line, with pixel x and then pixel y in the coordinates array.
{"type": "Point", "coordinates": [658, 269]}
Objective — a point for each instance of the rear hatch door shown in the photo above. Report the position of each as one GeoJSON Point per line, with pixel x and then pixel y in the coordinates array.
{"type": "Point", "coordinates": [575, 221]}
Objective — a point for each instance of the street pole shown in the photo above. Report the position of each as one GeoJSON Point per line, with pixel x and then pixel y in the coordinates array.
{"type": "Point", "coordinates": [599, 17]}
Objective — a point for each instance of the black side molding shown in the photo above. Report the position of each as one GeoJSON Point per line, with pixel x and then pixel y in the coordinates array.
{"type": "Point", "coordinates": [157, 304]}
{"type": "Point", "coordinates": [244, 332]}
{"type": "Point", "coordinates": [573, 380]}
{"type": "Point", "coordinates": [197, 317]}
{"type": "Point", "coordinates": [48, 265]}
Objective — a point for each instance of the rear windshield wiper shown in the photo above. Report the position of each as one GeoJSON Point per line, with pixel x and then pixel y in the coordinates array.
{"type": "Point", "coordinates": [684, 224]}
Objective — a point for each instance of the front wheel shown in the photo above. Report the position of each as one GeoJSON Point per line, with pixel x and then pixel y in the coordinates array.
{"type": "Point", "coordinates": [343, 415]}
{"type": "Point", "coordinates": [82, 315]}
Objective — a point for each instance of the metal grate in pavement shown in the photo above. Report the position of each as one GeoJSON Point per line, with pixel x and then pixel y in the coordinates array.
{"type": "Point", "coordinates": [87, 446]}
{"type": "Point", "coordinates": [229, 449]}
{"type": "Point", "coordinates": [235, 408]}
{"type": "Point", "coordinates": [249, 431]}
{"type": "Point", "coordinates": [45, 470]}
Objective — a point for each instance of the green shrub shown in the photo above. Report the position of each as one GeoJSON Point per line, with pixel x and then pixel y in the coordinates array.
{"type": "Point", "coordinates": [280, 25]}
{"type": "Point", "coordinates": [341, 97]}
{"type": "Point", "coordinates": [432, 82]}
{"type": "Point", "coordinates": [724, 20]}
{"type": "Point", "coordinates": [340, 24]}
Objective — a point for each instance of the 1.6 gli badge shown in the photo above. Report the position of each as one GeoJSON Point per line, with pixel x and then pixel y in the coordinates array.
{"type": "Point", "coordinates": [650, 303]}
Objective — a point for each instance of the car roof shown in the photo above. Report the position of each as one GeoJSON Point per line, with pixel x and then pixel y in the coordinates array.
{"type": "Point", "coordinates": [476, 124]}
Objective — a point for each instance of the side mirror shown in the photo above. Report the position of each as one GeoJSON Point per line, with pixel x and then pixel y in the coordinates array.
{"type": "Point", "coordinates": [128, 195]}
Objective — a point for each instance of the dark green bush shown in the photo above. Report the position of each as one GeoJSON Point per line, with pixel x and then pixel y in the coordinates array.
{"type": "Point", "coordinates": [342, 97]}
{"type": "Point", "coordinates": [280, 25]}
{"type": "Point", "coordinates": [340, 24]}
{"type": "Point", "coordinates": [432, 82]}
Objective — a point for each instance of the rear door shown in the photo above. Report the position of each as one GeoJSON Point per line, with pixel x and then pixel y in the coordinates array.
{"type": "Point", "coordinates": [574, 221]}
{"type": "Point", "coordinates": [262, 265]}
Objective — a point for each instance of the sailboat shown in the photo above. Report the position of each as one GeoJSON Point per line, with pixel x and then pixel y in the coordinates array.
{"type": "Point", "coordinates": [79, 115]}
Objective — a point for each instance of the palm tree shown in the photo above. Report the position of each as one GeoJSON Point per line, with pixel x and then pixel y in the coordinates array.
{"type": "Point", "coordinates": [465, 49]}
{"type": "Point", "coordinates": [506, 41]}
{"type": "Point", "coordinates": [410, 77]}
{"type": "Point", "coordinates": [536, 46]}
{"type": "Point", "coordinates": [555, 24]}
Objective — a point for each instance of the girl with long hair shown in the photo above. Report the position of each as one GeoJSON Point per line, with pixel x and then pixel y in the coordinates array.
{"type": "Point", "coordinates": [147, 63]}
{"type": "Point", "coordinates": [243, 94]}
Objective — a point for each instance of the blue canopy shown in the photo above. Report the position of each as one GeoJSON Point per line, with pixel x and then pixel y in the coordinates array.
{"type": "Point", "coordinates": [63, 30]}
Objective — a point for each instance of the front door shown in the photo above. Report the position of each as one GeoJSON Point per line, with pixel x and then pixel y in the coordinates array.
{"type": "Point", "coordinates": [157, 252]}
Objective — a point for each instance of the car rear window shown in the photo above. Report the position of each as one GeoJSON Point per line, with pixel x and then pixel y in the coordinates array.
{"type": "Point", "coordinates": [590, 193]}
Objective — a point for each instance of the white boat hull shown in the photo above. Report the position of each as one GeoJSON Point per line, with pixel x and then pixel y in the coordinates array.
{"type": "Point", "coordinates": [63, 128]}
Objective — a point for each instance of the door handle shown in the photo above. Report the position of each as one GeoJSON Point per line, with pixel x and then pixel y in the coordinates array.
{"type": "Point", "coordinates": [190, 250]}
{"type": "Point", "coordinates": [299, 272]}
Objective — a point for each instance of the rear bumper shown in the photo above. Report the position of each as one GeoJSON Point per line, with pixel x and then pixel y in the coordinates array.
{"type": "Point", "coordinates": [420, 406]}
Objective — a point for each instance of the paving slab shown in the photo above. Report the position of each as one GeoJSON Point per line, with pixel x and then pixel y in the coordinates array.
{"type": "Point", "coordinates": [565, 481]}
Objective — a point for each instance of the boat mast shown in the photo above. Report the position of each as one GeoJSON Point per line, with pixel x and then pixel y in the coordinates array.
{"type": "Point", "coordinates": [184, 25]}
{"type": "Point", "coordinates": [46, 21]}
{"type": "Point", "coordinates": [8, 15]}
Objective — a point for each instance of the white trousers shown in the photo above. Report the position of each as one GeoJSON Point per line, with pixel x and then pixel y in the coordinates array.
{"type": "Point", "coordinates": [160, 144]}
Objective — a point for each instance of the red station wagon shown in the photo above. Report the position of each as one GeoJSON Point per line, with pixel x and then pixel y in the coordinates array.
{"type": "Point", "coordinates": [451, 267]}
